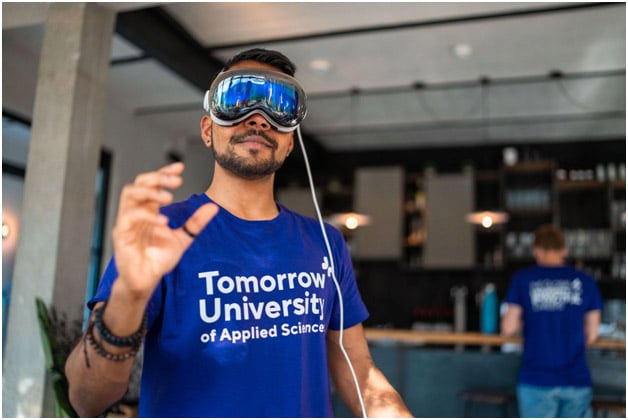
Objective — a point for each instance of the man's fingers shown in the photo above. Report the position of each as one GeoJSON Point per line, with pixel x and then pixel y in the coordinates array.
{"type": "Point", "coordinates": [141, 215]}
{"type": "Point", "coordinates": [197, 222]}
{"type": "Point", "coordinates": [166, 177]}
{"type": "Point", "coordinates": [149, 187]}
{"type": "Point", "coordinates": [158, 180]}
{"type": "Point", "coordinates": [132, 194]}
{"type": "Point", "coordinates": [172, 168]}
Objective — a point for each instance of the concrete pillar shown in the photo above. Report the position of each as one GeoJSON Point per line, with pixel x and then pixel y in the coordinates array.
{"type": "Point", "coordinates": [59, 191]}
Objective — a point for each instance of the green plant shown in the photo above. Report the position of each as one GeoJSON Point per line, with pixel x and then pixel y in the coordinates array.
{"type": "Point", "coordinates": [58, 337]}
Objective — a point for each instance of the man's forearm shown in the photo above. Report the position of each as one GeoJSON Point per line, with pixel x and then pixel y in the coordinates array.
{"type": "Point", "coordinates": [96, 387]}
{"type": "Point", "coordinates": [96, 381]}
{"type": "Point", "coordinates": [592, 321]}
{"type": "Point", "coordinates": [381, 399]}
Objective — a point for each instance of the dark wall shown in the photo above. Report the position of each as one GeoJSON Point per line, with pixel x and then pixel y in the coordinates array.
{"type": "Point", "coordinates": [397, 296]}
{"type": "Point", "coordinates": [326, 165]}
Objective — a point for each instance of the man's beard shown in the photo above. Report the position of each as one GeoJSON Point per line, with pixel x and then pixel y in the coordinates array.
{"type": "Point", "coordinates": [248, 167]}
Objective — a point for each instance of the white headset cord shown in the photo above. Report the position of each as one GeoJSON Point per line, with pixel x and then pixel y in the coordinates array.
{"type": "Point", "coordinates": [333, 272]}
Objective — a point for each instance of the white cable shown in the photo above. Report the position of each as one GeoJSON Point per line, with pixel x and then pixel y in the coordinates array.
{"type": "Point", "coordinates": [333, 272]}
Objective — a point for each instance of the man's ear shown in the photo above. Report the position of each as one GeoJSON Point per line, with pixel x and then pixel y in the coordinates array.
{"type": "Point", "coordinates": [206, 130]}
{"type": "Point", "coordinates": [537, 253]}
{"type": "Point", "coordinates": [291, 145]}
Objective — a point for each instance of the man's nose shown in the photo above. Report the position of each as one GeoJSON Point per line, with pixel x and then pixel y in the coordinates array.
{"type": "Point", "coordinates": [257, 121]}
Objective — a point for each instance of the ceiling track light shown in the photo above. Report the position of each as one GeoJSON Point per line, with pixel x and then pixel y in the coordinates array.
{"type": "Point", "coordinates": [556, 74]}
{"type": "Point", "coordinates": [462, 50]}
{"type": "Point", "coordinates": [355, 91]}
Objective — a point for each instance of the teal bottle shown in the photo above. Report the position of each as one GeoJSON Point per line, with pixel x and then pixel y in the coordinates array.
{"type": "Point", "coordinates": [488, 313]}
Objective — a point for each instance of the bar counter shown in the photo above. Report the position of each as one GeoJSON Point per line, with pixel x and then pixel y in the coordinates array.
{"type": "Point", "coordinates": [431, 369]}
{"type": "Point", "coordinates": [423, 338]}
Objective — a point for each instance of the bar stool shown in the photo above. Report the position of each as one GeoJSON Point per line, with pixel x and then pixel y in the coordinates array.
{"type": "Point", "coordinates": [497, 397]}
{"type": "Point", "coordinates": [603, 405]}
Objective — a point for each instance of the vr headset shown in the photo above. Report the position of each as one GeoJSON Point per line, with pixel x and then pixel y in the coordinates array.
{"type": "Point", "coordinates": [237, 94]}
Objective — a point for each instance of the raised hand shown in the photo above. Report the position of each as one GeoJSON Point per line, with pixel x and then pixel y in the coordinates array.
{"type": "Point", "coordinates": [145, 246]}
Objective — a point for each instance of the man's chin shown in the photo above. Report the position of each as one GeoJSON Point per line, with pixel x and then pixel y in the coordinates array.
{"type": "Point", "coordinates": [250, 171]}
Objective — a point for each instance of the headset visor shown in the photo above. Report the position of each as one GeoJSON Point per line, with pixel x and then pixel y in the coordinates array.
{"type": "Point", "coordinates": [236, 94]}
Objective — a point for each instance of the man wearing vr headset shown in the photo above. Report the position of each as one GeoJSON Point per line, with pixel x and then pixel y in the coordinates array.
{"type": "Point", "coordinates": [232, 294]}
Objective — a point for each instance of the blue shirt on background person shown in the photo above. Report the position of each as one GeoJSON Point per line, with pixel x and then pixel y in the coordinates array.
{"type": "Point", "coordinates": [558, 308]}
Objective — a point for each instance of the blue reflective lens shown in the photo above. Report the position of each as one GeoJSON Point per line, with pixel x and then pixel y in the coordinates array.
{"type": "Point", "coordinates": [239, 93]}
{"type": "Point", "coordinates": [236, 94]}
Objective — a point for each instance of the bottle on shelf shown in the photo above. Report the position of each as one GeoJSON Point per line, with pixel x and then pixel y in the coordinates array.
{"type": "Point", "coordinates": [488, 312]}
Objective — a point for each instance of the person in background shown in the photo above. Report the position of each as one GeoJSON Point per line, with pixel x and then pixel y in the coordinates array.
{"type": "Point", "coordinates": [231, 293]}
{"type": "Point", "coordinates": [559, 308]}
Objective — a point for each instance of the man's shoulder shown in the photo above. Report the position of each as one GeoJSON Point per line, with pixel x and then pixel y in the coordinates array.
{"type": "Point", "coordinates": [563, 272]}
{"type": "Point", "coordinates": [308, 221]}
{"type": "Point", "coordinates": [294, 214]}
{"type": "Point", "coordinates": [527, 271]}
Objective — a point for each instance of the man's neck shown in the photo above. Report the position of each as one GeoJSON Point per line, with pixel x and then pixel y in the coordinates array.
{"type": "Point", "coordinates": [551, 260]}
{"type": "Point", "coordinates": [246, 199]}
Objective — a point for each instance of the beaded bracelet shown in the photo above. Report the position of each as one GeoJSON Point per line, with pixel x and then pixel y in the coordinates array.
{"type": "Point", "coordinates": [89, 336]}
{"type": "Point", "coordinates": [133, 340]}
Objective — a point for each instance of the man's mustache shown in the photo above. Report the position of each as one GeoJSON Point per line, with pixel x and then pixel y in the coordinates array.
{"type": "Point", "coordinates": [237, 138]}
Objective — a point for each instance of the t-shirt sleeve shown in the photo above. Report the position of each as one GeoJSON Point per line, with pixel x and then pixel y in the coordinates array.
{"type": "Point", "coordinates": [515, 294]}
{"type": "Point", "coordinates": [352, 304]}
{"type": "Point", "coordinates": [594, 303]}
{"type": "Point", "coordinates": [104, 287]}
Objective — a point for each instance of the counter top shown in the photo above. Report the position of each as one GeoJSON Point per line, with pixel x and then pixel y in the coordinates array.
{"type": "Point", "coordinates": [422, 338]}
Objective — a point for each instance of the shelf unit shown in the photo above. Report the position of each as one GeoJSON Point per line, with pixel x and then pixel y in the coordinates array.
{"type": "Point", "coordinates": [415, 231]}
{"type": "Point", "coordinates": [596, 233]}
{"type": "Point", "coordinates": [589, 212]}
{"type": "Point", "coordinates": [529, 198]}
{"type": "Point", "coordinates": [531, 195]}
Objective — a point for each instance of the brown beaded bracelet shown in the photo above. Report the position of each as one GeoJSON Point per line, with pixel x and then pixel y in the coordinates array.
{"type": "Point", "coordinates": [89, 336]}
{"type": "Point", "coordinates": [132, 340]}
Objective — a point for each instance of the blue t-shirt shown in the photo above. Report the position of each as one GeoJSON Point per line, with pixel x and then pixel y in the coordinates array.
{"type": "Point", "coordinates": [554, 302]}
{"type": "Point", "coordinates": [238, 328]}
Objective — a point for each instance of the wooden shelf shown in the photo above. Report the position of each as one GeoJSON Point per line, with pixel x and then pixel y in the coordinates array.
{"type": "Point", "coordinates": [524, 211]}
{"type": "Point", "coordinates": [531, 166]}
{"type": "Point", "coordinates": [422, 338]}
{"type": "Point", "coordinates": [579, 185]}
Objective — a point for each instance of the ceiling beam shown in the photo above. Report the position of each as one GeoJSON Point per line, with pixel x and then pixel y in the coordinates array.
{"type": "Point", "coordinates": [164, 39]}
{"type": "Point", "coordinates": [420, 24]}
{"type": "Point", "coordinates": [161, 37]}
{"type": "Point", "coordinates": [550, 77]}
{"type": "Point", "coordinates": [554, 76]}
{"type": "Point", "coordinates": [487, 122]}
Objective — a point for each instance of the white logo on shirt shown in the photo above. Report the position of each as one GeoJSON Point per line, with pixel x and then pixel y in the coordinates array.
{"type": "Point", "coordinates": [554, 295]}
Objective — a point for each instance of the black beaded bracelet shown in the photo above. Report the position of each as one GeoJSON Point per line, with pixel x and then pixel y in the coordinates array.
{"type": "Point", "coordinates": [89, 336]}
{"type": "Point", "coordinates": [133, 340]}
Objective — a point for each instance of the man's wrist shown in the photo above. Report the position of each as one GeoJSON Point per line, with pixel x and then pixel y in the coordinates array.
{"type": "Point", "coordinates": [132, 340]}
{"type": "Point", "coordinates": [125, 311]}
{"type": "Point", "coordinates": [126, 290]}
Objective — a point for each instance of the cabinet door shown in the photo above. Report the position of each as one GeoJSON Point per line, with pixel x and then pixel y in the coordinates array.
{"type": "Point", "coordinates": [379, 195]}
{"type": "Point", "coordinates": [450, 239]}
